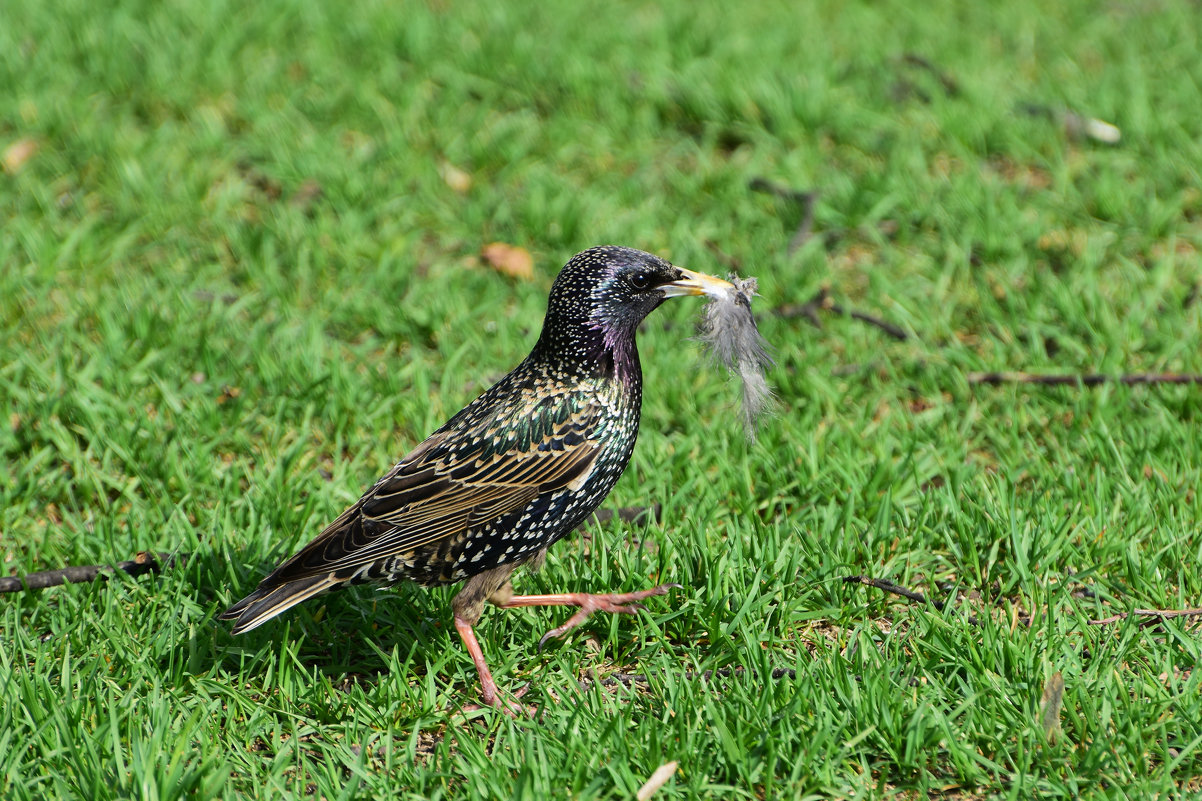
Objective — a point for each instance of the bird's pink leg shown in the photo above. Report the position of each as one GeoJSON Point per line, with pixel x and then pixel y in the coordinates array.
{"type": "Point", "coordinates": [617, 603]}
{"type": "Point", "coordinates": [488, 687]}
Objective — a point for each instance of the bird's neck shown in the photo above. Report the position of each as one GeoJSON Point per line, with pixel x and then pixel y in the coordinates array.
{"type": "Point", "coordinates": [618, 357]}
{"type": "Point", "coordinates": [593, 350]}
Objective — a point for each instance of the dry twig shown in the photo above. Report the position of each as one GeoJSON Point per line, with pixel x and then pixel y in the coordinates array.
{"type": "Point", "coordinates": [1085, 379]}
{"type": "Point", "coordinates": [144, 562]}
{"type": "Point", "coordinates": [627, 679]}
{"type": "Point", "coordinates": [950, 86]}
{"type": "Point", "coordinates": [822, 301]}
{"type": "Point", "coordinates": [1159, 614]}
{"type": "Point", "coordinates": [1155, 615]}
{"type": "Point", "coordinates": [897, 589]}
{"type": "Point", "coordinates": [805, 199]}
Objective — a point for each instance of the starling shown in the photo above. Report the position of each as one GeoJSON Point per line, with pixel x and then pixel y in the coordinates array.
{"type": "Point", "coordinates": [513, 472]}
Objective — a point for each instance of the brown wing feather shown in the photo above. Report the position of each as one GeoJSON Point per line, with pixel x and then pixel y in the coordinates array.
{"type": "Point", "coordinates": [435, 493]}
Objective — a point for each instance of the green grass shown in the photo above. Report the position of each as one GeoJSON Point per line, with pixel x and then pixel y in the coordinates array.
{"type": "Point", "coordinates": [235, 287]}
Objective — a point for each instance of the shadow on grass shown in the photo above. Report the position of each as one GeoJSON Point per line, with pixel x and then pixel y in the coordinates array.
{"type": "Point", "coordinates": [344, 634]}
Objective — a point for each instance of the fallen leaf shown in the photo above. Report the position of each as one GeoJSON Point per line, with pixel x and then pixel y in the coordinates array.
{"type": "Point", "coordinates": [1053, 698]}
{"type": "Point", "coordinates": [455, 178]}
{"type": "Point", "coordinates": [1078, 125]}
{"type": "Point", "coordinates": [657, 780]}
{"type": "Point", "coordinates": [19, 152]}
{"type": "Point", "coordinates": [514, 261]}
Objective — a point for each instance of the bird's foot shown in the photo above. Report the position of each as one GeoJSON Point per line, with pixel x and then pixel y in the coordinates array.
{"type": "Point", "coordinates": [626, 603]}
{"type": "Point", "coordinates": [492, 699]}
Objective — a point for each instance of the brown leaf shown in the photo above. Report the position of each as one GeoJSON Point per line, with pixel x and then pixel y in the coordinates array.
{"type": "Point", "coordinates": [19, 152]}
{"type": "Point", "coordinates": [1049, 705]}
{"type": "Point", "coordinates": [658, 779]}
{"type": "Point", "coordinates": [514, 261]}
{"type": "Point", "coordinates": [455, 178]}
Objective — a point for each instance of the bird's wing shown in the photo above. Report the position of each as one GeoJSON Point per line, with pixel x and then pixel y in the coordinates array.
{"type": "Point", "coordinates": [454, 481]}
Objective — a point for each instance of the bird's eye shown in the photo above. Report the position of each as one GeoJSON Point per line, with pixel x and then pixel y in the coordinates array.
{"type": "Point", "coordinates": [640, 280]}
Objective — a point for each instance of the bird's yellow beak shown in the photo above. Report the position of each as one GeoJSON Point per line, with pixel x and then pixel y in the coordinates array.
{"type": "Point", "coordinates": [696, 284]}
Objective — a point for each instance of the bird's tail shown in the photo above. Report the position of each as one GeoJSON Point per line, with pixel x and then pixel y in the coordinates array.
{"type": "Point", "coordinates": [268, 601]}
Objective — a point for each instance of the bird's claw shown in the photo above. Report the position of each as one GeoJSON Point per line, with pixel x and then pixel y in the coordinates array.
{"type": "Point", "coordinates": [571, 623]}
{"type": "Point", "coordinates": [510, 707]}
{"type": "Point", "coordinates": [616, 603]}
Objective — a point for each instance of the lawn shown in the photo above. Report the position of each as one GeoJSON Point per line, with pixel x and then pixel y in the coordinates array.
{"type": "Point", "coordinates": [241, 274]}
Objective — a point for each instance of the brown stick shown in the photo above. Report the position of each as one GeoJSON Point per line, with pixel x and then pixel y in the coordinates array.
{"type": "Point", "coordinates": [1086, 379]}
{"type": "Point", "coordinates": [897, 589]}
{"type": "Point", "coordinates": [804, 198]}
{"type": "Point", "coordinates": [822, 301]}
{"type": "Point", "coordinates": [144, 562]}
{"type": "Point", "coordinates": [809, 199]}
{"type": "Point", "coordinates": [785, 193]}
{"type": "Point", "coordinates": [627, 679]}
{"type": "Point", "coordinates": [889, 328]}
{"type": "Point", "coordinates": [950, 86]}
{"type": "Point", "coordinates": [808, 310]}
{"type": "Point", "coordinates": [1157, 613]}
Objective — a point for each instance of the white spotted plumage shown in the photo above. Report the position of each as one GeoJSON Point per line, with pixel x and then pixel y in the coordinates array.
{"type": "Point", "coordinates": [513, 472]}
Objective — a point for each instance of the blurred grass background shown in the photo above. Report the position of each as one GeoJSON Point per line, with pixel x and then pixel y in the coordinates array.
{"type": "Point", "coordinates": [240, 276]}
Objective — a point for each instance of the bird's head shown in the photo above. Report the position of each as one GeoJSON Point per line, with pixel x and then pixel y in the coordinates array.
{"type": "Point", "coordinates": [603, 293]}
